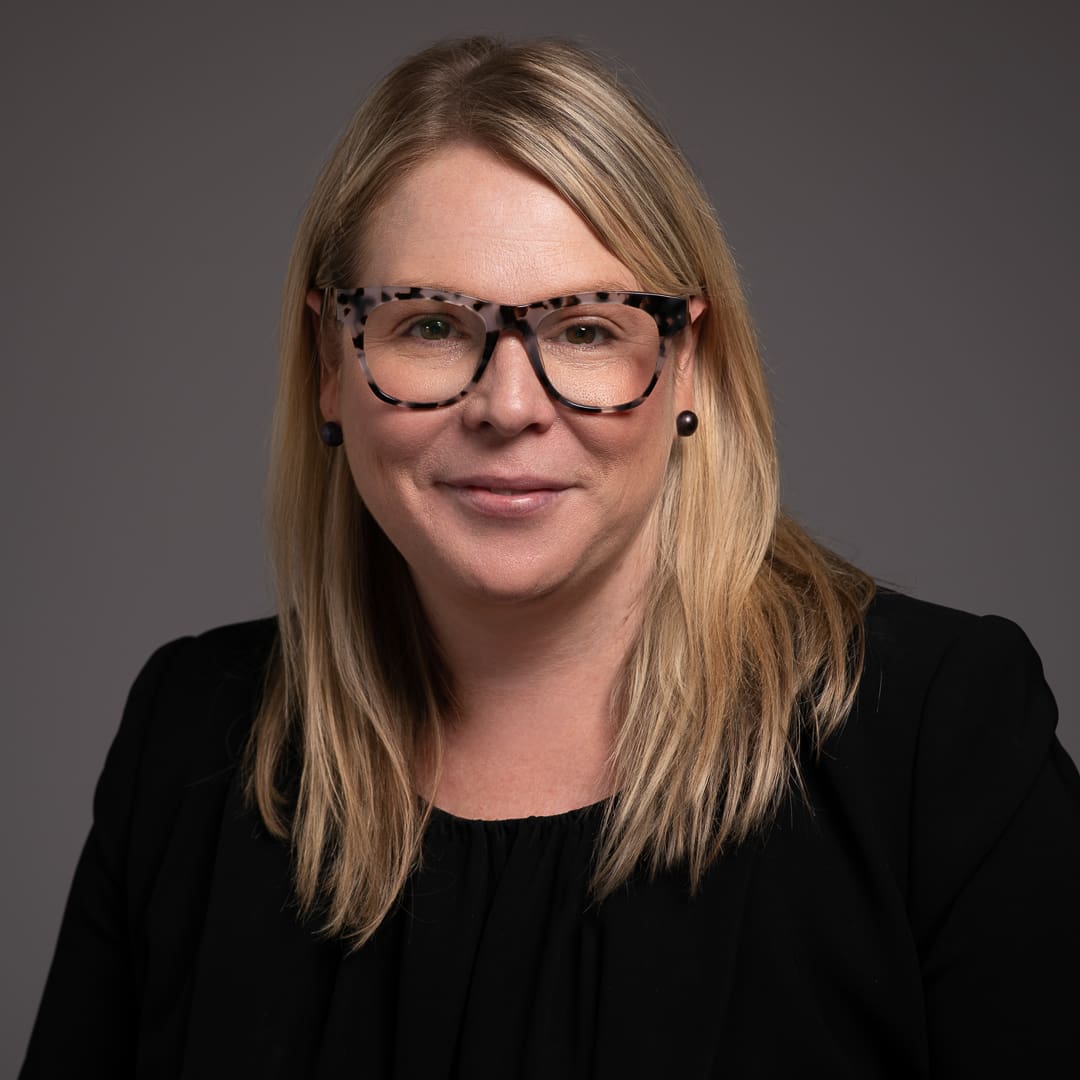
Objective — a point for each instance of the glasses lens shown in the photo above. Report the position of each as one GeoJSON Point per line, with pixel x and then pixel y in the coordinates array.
{"type": "Point", "coordinates": [599, 354]}
{"type": "Point", "coordinates": [422, 350]}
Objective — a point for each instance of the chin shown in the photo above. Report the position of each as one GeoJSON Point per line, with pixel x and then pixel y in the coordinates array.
{"type": "Point", "coordinates": [507, 584]}
{"type": "Point", "coordinates": [510, 588]}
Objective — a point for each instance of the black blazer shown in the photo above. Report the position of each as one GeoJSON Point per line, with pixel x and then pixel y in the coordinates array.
{"type": "Point", "coordinates": [924, 919]}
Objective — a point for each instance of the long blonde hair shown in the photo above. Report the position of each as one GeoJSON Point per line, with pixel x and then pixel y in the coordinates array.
{"type": "Point", "coordinates": [752, 634]}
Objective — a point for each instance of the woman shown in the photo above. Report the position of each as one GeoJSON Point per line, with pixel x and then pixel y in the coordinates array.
{"type": "Point", "coordinates": [568, 753]}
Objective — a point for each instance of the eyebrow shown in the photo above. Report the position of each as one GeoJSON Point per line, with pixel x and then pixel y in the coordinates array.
{"type": "Point", "coordinates": [590, 287]}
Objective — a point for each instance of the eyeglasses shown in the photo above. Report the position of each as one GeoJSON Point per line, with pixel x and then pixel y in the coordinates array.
{"type": "Point", "coordinates": [427, 348]}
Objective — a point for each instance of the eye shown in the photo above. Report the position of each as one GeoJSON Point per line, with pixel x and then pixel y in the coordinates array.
{"type": "Point", "coordinates": [583, 334]}
{"type": "Point", "coordinates": [432, 329]}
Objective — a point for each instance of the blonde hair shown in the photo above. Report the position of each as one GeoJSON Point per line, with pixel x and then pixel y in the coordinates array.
{"type": "Point", "coordinates": [752, 633]}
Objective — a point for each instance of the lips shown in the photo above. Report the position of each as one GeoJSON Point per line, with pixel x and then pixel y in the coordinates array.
{"type": "Point", "coordinates": [509, 485]}
{"type": "Point", "coordinates": [506, 497]}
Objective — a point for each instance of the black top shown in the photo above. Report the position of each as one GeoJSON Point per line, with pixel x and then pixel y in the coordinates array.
{"type": "Point", "coordinates": [921, 920]}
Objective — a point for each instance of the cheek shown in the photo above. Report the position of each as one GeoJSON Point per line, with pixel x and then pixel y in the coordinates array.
{"type": "Point", "coordinates": [633, 453]}
{"type": "Point", "coordinates": [391, 452]}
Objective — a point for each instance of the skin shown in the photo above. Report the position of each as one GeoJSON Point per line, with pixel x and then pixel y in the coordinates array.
{"type": "Point", "coordinates": [532, 595]}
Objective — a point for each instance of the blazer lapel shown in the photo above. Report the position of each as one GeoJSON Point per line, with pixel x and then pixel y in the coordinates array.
{"type": "Point", "coordinates": [262, 979]}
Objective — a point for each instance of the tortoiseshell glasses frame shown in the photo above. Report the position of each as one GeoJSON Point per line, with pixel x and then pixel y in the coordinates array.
{"type": "Point", "coordinates": [354, 308]}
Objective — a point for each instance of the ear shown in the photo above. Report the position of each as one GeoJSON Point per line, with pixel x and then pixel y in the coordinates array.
{"type": "Point", "coordinates": [684, 368]}
{"type": "Point", "coordinates": [329, 362]}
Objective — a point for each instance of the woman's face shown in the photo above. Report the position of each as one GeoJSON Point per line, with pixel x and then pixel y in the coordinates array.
{"type": "Point", "coordinates": [506, 495]}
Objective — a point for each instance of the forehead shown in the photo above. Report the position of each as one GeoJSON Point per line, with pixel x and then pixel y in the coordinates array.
{"type": "Point", "coordinates": [468, 221]}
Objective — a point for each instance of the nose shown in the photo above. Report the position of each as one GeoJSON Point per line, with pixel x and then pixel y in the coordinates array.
{"type": "Point", "coordinates": [509, 396]}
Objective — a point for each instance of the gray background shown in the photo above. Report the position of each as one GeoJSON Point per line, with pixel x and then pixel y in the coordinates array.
{"type": "Point", "coordinates": [899, 184]}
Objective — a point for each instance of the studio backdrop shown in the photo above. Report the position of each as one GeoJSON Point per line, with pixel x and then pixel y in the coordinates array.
{"type": "Point", "coordinates": [898, 182]}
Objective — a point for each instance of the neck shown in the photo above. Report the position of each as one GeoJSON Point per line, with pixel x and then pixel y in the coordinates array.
{"type": "Point", "coordinates": [533, 732]}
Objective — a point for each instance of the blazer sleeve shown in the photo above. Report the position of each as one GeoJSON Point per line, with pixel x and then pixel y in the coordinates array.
{"type": "Point", "coordinates": [88, 1017]}
{"type": "Point", "coordinates": [995, 864]}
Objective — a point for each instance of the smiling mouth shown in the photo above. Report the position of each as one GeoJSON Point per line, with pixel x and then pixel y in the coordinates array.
{"type": "Point", "coordinates": [508, 485]}
{"type": "Point", "coordinates": [520, 498]}
{"type": "Point", "coordinates": [512, 491]}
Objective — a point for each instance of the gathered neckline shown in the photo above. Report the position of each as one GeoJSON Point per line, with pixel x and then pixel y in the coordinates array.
{"type": "Point", "coordinates": [566, 816]}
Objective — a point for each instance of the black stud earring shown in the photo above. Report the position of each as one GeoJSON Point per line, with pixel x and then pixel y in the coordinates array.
{"type": "Point", "coordinates": [686, 423]}
{"type": "Point", "coordinates": [330, 433]}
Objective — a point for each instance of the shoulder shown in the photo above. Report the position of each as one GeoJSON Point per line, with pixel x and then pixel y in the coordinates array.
{"type": "Point", "coordinates": [935, 662]}
{"type": "Point", "coordinates": [175, 754]}
{"type": "Point", "coordinates": [951, 723]}
{"type": "Point", "coordinates": [236, 650]}
{"type": "Point", "coordinates": [189, 686]}
{"type": "Point", "coordinates": [961, 677]}
{"type": "Point", "coordinates": [981, 828]}
{"type": "Point", "coordinates": [952, 728]}
{"type": "Point", "coordinates": [903, 628]}
{"type": "Point", "coordinates": [181, 671]}
{"type": "Point", "coordinates": [967, 691]}
{"type": "Point", "coordinates": [200, 693]}
{"type": "Point", "coordinates": [186, 721]}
